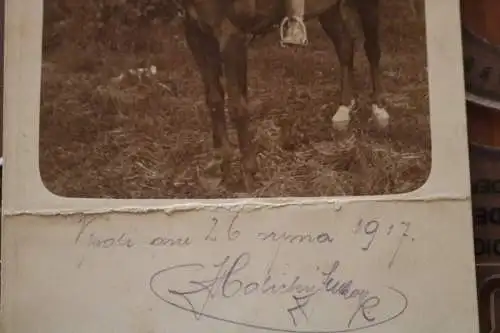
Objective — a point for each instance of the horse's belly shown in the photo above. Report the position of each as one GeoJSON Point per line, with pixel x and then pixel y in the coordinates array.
{"type": "Point", "coordinates": [312, 7]}
{"type": "Point", "coordinates": [316, 7]}
{"type": "Point", "coordinates": [252, 15]}
{"type": "Point", "coordinates": [265, 7]}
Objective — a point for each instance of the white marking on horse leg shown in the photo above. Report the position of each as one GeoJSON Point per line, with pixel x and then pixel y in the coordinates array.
{"type": "Point", "coordinates": [381, 116]}
{"type": "Point", "coordinates": [221, 158]}
{"type": "Point", "coordinates": [342, 117]}
{"type": "Point", "coordinates": [213, 166]}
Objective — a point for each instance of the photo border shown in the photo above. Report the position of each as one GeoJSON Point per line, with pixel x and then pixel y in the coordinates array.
{"type": "Point", "coordinates": [36, 231]}
{"type": "Point", "coordinates": [448, 178]}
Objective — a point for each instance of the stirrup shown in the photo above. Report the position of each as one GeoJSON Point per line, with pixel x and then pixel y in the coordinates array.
{"type": "Point", "coordinates": [301, 24]}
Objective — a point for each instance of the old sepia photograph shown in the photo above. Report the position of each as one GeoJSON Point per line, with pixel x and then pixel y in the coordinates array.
{"type": "Point", "coordinates": [234, 98]}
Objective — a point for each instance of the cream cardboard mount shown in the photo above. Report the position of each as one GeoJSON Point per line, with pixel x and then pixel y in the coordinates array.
{"type": "Point", "coordinates": [396, 263]}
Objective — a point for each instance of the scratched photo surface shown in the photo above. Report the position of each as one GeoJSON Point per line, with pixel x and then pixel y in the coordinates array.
{"type": "Point", "coordinates": [124, 109]}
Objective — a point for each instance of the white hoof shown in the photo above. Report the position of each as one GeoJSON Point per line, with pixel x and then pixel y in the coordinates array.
{"type": "Point", "coordinates": [381, 116]}
{"type": "Point", "coordinates": [342, 117]}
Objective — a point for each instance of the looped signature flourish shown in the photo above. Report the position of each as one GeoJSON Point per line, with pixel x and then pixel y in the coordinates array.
{"type": "Point", "coordinates": [227, 284]}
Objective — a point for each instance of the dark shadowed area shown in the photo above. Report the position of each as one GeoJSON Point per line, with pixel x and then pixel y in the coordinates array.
{"type": "Point", "coordinates": [123, 113]}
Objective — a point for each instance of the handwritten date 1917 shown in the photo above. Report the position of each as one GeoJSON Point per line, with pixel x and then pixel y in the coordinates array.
{"type": "Point", "coordinates": [373, 229]}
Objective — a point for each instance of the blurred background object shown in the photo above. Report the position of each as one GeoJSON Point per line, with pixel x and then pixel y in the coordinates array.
{"type": "Point", "coordinates": [482, 17]}
{"type": "Point", "coordinates": [481, 45]}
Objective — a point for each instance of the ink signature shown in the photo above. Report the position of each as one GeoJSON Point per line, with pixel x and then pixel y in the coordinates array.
{"type": "Point", "coordinates": [314, 298]}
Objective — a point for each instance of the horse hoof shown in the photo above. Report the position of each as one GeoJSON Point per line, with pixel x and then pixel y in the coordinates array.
{"type": "Point", "coordinates": [381, 116]}
{"type": "Point", "coordinates": [341, 119]}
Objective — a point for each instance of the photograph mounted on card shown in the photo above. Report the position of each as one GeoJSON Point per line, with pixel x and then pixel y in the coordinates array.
{"type": "Point", "coordinates": [165, 99]}
{"type": "Point", "coordinates": [236, 165]}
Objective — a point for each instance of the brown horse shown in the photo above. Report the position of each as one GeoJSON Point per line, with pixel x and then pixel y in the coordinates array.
{"type": "Point", "coordinates": [217, 31]}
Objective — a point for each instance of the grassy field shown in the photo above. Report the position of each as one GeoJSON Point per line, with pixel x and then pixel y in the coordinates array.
{"type": "Point", "coordinates": [150, 137]}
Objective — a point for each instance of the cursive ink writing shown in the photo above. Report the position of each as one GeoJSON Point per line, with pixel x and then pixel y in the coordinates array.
{"type": "Point", "coordinates": [231, 232]}
{"type": "Point", "coordinates": [93, 240]}
{"type": "Point", "coordinates": [403, 236]}
{"type": "Point", "coordinates": [228, 279]}
{"type": "Point", "coordinates": [321, 238]}
{"type": "Point", "coordinates": [89, 238]}
{"type": "Point", "coordinates": [168, 241]}
{"type": "Point", "coordinates": [301, 302]}
{"type": "Point", "coordinates": [372, 230]}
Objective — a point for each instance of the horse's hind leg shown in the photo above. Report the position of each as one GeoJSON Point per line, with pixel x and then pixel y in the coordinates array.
{"type": "Point", "coordinates": [234, 55]}
{"type": "Point", "coordinates": [369, 16]}
{"type": "Point", "coordinates": [205, 50]}
{"type": "Point", "coordinates": [337, 30]}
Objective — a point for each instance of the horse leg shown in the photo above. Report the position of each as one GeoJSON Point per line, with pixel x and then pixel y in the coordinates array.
{"type": "Point", "coordinates": [337, 30]}
{"type": "Point", "coordinates": [205, 50]}
{"type": "Point", "coordinates": [369, 15]}
{"type": "Point", "coordinates": [234, 54]}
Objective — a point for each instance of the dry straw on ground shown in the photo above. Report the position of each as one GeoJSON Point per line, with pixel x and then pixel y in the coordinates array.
{"type": "Point", "coordinates": [107, 131]}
